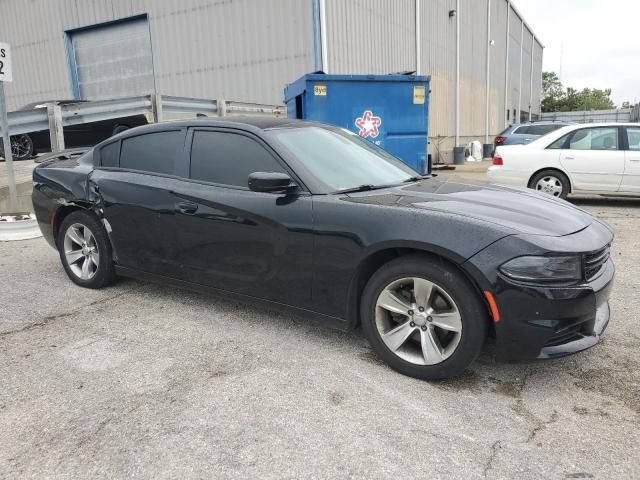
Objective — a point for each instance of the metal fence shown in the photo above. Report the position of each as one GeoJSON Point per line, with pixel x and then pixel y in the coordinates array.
{"type": "Point", "coordinates": [619, 115]}
{"type": "Point", "coordinates": [156, 108]}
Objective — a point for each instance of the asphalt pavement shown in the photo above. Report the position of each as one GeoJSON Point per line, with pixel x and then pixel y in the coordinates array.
{"type": "Point", "coordinates": [146, 381]}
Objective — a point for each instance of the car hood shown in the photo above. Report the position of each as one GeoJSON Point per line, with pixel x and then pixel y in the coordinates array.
{"type": "Point", "coordinates": [521, 210]}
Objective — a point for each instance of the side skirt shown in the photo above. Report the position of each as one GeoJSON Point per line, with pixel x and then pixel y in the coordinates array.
{"type": "Point", "coordinates": [326, 320]}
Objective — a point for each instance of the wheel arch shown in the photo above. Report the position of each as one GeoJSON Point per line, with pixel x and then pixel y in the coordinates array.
{"type": "Point", "coordinates": [376, 259]}
{"type": "Point", "coordinates": [551, 169]}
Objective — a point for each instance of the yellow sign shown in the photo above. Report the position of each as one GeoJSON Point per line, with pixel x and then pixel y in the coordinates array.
{"type": "Point", "coordinates": [320, 90]}
{"type": "Point", "coordinates": [418, 95]}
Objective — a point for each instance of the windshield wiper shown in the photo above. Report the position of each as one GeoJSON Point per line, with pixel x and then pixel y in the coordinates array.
{"type": "Point", "coordinates": [361, 188]}
{"type": "Point", "coordinates": [417, 178]}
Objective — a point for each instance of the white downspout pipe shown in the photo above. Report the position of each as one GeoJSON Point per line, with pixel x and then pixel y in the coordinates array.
{"type": "Point", "coordinates": [507, 108]}
{"type": "Point", "coordinates": [418, 33]}
{"type": "Point", "coordinates": [533, 47]}
{"type": "Point", "coordinates": [457, 93]}
{"type": "Point", "coordinates": [488, 79]}
{"type": "Point", "coordinates": [323, 36]}
{"type": "Point", "coordinates": [520, 79]}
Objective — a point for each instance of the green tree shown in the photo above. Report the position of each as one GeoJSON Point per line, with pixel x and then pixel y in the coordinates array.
{"type": "Point", "coordinates": [552, 91]}
{"type": "Point", "coordinates": [556, 99]}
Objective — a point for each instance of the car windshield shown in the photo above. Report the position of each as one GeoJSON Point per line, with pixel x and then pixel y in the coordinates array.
{"type": "Point", "coordinates": [341, 159]}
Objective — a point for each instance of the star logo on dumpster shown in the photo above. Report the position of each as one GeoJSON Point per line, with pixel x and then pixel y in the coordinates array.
{"type": "Point", "coordinates": [368, 124]}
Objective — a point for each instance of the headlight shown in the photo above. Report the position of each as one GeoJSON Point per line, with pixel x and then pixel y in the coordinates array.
{"type": "Point", "coordinates": [545, 269]}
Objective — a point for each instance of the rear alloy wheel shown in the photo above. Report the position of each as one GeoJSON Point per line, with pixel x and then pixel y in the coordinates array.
{"type": "Point", "coordinates": [81, 251]}
{"type": "Point", "coordinates": [551, 182]}
{"type": "Point", "coordinates": [423, 318]}
{"type": "Point", "coordinates": [85, 250]}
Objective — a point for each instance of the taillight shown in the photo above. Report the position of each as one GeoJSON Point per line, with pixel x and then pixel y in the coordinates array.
{"type": "Point", "coordinates": [497, 160]}
{"type": "Point", "coordinates": [500, 139]}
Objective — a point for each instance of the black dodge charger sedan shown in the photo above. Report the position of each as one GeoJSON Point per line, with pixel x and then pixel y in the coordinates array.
{"type": "Point", "coordinates": [314, 219]}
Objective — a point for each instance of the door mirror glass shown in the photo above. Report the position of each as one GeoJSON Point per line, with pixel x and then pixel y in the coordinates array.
{"type": "Point", "coordinates": [270, 182]}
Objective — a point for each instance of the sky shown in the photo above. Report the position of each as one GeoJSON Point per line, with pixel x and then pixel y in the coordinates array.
{"type": "Point", "coordinates": [594, 43]}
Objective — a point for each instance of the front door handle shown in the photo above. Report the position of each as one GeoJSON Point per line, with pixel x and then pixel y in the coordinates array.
{"type": "Point", "coordinates": [188, 208]}
{"type": "Point", "coordinates": [634, 159]}
{"type": "Point", "coordinates": [569, 158]}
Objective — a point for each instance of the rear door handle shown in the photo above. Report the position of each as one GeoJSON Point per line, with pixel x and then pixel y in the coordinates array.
{"type": "Point", "coordinates": [569, 158]}
{"type": "Point", "coordinates": [188, 208]}
{"type": "Point", "coordinates": [634, 159]}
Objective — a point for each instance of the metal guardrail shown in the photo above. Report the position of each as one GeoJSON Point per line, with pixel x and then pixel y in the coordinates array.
{"type": "Point", "coordinates": [156, 108]}
{"type": "Point", "coordinates": [618, 115]}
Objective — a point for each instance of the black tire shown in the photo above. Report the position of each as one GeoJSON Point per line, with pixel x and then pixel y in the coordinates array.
{"type": "Point", "coordinates": [21, 147]}
{"type": "Point", "coordinates": [472, 311]}
{"type": "Point", "coordinates": [104, 274]}
{"type": "Point", "coordinates": [552, 175]}
{"type": "Point", "coordinates": [119, 129]}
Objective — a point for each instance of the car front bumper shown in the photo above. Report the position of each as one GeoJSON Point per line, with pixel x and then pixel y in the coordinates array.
{"type": "Point", "coordinates": [545, 320]}
{"type": "Point", "coordinates": [549, 322]}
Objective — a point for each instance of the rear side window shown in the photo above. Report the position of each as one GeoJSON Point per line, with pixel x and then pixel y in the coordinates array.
{"type": "Point", "coordinates": [633, 136]}
{"type": "Point", "coordinates": [152, 152]}
{"type": "Point", "coordinates": [542, 129]}
{"type": "Point", "coordinates": [109, 155]}
{"type": "Point", "coordinates": [522, 131]}
{"type": "Point", "coordinates": [559, 143]}
{"type": "Point", "coordinates": [228, 158]}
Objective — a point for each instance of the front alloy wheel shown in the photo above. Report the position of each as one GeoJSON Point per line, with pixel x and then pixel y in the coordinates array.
{"type": "Point", "coordinates": [418, 321]}
{"type": "Point", "coordinates": [423, 317]}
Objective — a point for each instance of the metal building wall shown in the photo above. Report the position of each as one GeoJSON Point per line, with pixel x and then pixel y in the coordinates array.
{"type": "Point", "coordinates": [370, 36]}
{"type": "Point", "coordinates": [497, 106]}
{"type": "Point", "coordinates": [438, 59]}
{"type": "Point", "coordinates": [249, 49]}
{"type": "Point", "coordinates": [473, 57]}
{"type": "Point", "coordinates": [241, 49]}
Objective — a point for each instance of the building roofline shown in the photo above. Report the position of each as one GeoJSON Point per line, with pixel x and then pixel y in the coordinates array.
{"type": "Point", "coordinates": [521, 17]}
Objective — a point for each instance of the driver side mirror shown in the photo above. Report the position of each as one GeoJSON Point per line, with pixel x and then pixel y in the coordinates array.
{"type": "Point", "coordinates": [270, 182]}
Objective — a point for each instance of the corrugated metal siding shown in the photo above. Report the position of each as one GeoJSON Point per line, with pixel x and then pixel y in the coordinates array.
{"type": "Point", "coordinates": [526, 71]}
{"type": "Point", "coordinates": [370, 36]}
{"type": "Point", "coordinates": [498, 51]}
{"type": "Point", "coordinates": [537, 78]}
{"type": "Point", "coordinates": [438, 51]}
{"type": "Point", "coordinates": [513, 91]}
{"type": "Point", "coordinates": [248, 49]}
{"type": "Point", "coordinates": [473, 57]}
{"type": "Point", "coordinates": [244, 50]}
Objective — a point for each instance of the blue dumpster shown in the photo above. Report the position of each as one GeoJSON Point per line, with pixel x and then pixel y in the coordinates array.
{"type": "Point", "coordinates": [389, 110]}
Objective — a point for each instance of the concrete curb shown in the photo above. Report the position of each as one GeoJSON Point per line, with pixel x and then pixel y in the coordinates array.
{"type": "Point", "coordinates": [19, 230]}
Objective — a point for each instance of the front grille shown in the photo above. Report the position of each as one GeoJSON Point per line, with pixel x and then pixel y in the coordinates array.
{"type": "Point", "coordinates": [594, 262]}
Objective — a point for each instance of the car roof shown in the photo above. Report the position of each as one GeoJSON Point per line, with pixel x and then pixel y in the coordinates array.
{"type": "Point", "coordinates": [251, 123]}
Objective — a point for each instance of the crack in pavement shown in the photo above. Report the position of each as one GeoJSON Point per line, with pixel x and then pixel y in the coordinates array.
{"type": "Point", "coordinates": [541, 425]}
{"type": "Point", "coordinates": [48, 319]}
{"type": "Point", "coordinates": [494, 452]}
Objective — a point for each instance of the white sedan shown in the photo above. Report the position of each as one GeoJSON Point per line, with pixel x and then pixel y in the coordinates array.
{"type": "Point", "coordinates": [601, 158]}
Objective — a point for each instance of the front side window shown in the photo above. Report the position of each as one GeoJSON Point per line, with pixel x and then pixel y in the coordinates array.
{"type": "Point", "coordinates": [595, 139]}
{"type": "Point", "coordinates": [151, 152]}
{"type": "Point", "coordinates": [341, 159]}
{"type": "Point", "coordinates": [633, 136]}
{"type": "Point", "coordinates": [229, 158]}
